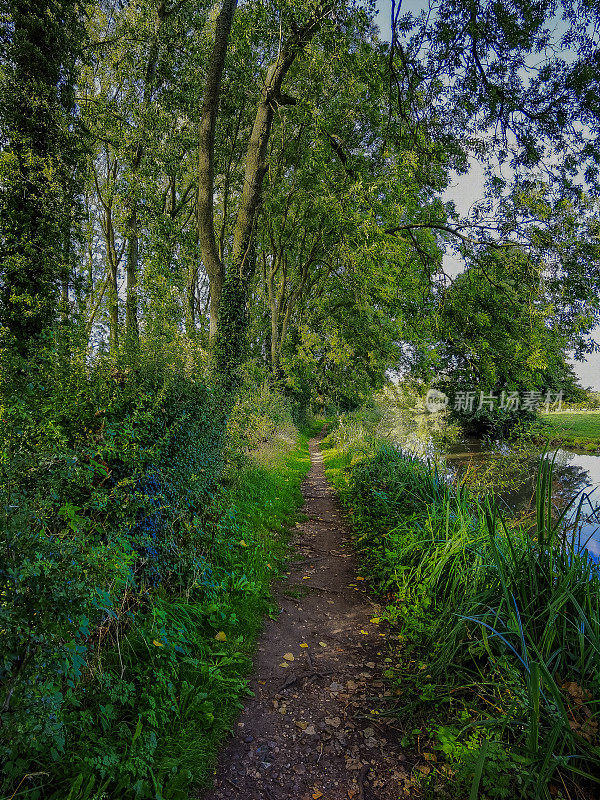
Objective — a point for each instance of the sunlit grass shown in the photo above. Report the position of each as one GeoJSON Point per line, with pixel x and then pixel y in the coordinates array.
{"type": "Point", "coordinates": [573, 428]}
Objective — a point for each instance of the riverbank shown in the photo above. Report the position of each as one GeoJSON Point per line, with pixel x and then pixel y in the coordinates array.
{"type": "Point", "coordinates": [497, 661]}
{"type": "Point", "coordinates": [578, 430]}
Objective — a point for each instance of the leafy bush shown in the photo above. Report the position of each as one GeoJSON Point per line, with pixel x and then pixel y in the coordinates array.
{"type": "Point", "coordinates": [132, 581]}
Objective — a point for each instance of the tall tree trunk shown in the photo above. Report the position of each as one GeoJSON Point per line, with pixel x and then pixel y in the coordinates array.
{"type": "Point", "coordinates": [205, 218]}
{"type": "Point", "coordinates": [191, 300]}
{"type": "Point", "coordinates": [132, 333]}
{"type": "Point", "coordinates": [112, 265]}
{"type": "Point", "coordinates": [229, 292]}
{"type": "Point", "coordinates": [243, 256]}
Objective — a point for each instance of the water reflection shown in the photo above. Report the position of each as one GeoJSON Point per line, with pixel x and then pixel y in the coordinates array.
{"type": "Point", "coordinates": [510, 470]}
{"type": "Point", "coordinates": [513, 474]}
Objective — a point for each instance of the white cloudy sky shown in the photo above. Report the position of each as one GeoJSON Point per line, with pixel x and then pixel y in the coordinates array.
{"type": "Point", "coordinates": [467, 189]}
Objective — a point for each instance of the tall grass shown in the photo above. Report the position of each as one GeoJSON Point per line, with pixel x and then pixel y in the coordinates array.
{"type": "Point", "coordinates": [510, 610]}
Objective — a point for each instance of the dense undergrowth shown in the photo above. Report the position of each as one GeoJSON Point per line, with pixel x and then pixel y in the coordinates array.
{"type": "Point", "coordinates": [138, 540]}
{"type": "Point", "coordinates": [495, 627]}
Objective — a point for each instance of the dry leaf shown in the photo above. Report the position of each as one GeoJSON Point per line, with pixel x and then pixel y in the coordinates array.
{"type": "Point", "coordinates": [301, 724]}
{"type": "Point", "coordinates": [303, 644]}
{"type": "Point", "coordinates": [333, 722]}
{"type": "Point", "coordinates": [375, 620]}
{"type": "Point", "coordinates": [221, 636]}
{"type": "Point", "coordinates": [284, 664]}
{"type": "Point", "coordinates": [323, 644]}
{"type": "Point", "coordinates": [156, 643]}
{"type": "Point", "coordinates": [243, 543]}
{"type": "Point", "coordinates": [289, 657]}
{"type": "Point", "coordinates": [317, 795]}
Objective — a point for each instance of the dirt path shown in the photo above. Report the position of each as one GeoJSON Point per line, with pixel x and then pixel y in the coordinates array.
{"type": "Point", "coordinates": [309, 731]}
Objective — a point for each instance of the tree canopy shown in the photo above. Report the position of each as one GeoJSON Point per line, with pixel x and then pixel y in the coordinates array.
{"type": "Point", "coordinates": [278, 171]}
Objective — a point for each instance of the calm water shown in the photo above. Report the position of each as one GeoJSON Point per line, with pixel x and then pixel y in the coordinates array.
{"type": "Point", "coordinates": [574, 474]}
{"type": "Point", "coordinates": [511, 473]}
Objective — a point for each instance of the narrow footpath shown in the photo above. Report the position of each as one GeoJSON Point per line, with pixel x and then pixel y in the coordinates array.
{"type": "Point", "coordinates": [315, 728]}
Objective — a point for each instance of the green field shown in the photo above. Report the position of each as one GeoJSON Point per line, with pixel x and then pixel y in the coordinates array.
{"type": "Point", "coordinates": [577, 429]}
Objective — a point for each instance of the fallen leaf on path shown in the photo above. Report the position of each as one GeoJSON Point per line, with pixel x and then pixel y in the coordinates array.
{"type": "Point", "coordinates": [317, 795]}
{"type": "Point", "coordinates": [375, 620]}
{"type": "Point", "coordinates": [358, 578]}
{"type": "Point", "coordinates": [333, 722]}
{"type": "Point", "coordinates": [221, 636]}
{"type": "Point", "coordinates": [323, 644]}
{"type": "Point", "coordinates": [289, 657]}
{"type": "Point", "coordinates": [365, 633]}
{"type": "Point", "coordinates": [284, 664]}
{"type": "Point", "coordinates": [301, 724]}
{"type": "Point", "coordinates": [303, 644]}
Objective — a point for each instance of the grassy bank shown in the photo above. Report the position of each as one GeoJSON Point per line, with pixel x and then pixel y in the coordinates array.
{"type": "Point", "coordinates": [578, 430]}
{"type": "Point", "coordinates": [135, 571]}
{"type": "Point", "coordinates": [494, 631]}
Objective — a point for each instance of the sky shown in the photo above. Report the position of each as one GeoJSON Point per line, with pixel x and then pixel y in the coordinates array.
{"type": "Point", "coordinates": [465, 190]}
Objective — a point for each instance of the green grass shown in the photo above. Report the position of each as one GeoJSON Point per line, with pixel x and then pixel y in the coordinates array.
{"type": "Point", "coordinates": [578, 430]}
{"type": "Point", "coordinates": [494, 629]}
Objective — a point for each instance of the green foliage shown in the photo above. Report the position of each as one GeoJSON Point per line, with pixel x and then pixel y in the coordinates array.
{"type": "Point", "coordinates": [496, 335]}
{"type": "Point", "coordinates": [123, 555]}
{"type": "Point", "coordinates": [39, 160]}
{"type": "Point", "coordinates": [505, 620]}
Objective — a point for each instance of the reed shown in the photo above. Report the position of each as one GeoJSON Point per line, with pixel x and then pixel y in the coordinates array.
{"type": "Point", "coordinates": [512, 610]}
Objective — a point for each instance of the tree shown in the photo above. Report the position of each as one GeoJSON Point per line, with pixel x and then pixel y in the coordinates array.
{"type": "Point", "coordinates": [498, 334]}
{"type": "Point", "coordinates": [39, 166]}
{"type": "Point", "coordinates": [230, 286]}
{"type": "Point", "coordinates": [514, 87]}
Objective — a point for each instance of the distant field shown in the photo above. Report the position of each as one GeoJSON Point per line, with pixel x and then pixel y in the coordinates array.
{"type": "Point", "coordinates": [573, 428]}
